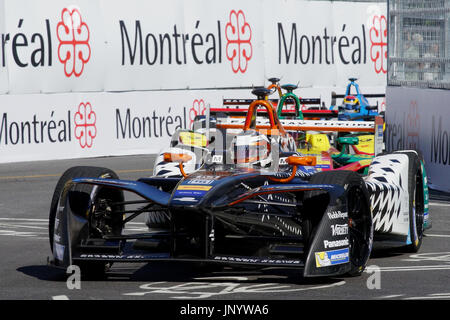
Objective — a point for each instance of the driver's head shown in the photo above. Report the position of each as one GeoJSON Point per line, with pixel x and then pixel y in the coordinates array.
{"type": "Point", "coordinates": [351, 103]}
{"type": "Point", "coordinates": [250, 149]}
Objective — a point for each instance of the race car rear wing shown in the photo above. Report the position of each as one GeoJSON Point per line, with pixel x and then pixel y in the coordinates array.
{"type": "Point", "coordinates": [239, 107]}
{"type": "Point", "coordinates": [300, 125]}
{"type": "Point", "coordinates": [335, 96]}
{"type": "Point", "coordinates": [295, 125]}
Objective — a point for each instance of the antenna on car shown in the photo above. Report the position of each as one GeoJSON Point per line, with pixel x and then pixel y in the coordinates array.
{"type": "Point", "coordinates": [208, 113]}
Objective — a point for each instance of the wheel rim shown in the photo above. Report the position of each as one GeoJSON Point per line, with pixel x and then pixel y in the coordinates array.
{"type": "Point", "coordinates": [360, 228]}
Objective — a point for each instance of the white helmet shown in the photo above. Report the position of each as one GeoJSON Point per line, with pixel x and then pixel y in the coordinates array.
{"type": "Point", "coordinates": [251, 149]}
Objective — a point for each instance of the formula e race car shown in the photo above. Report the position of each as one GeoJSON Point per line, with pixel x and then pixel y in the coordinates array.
{"type": "Point", "coordinates": [355, 106]}
{"type": "Point", "coordinates": [253, 202]}
{"type": "Point", "coordinates": [288, 105]}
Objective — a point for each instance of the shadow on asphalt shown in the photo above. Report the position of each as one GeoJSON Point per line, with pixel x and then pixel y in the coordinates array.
{"type": "Point", "coordinates": [184, 272]}
{"type": "Point", "coordinates": [386, 253]}
{"type": "Point", "coordinates": [44, 272]}
{"type": "Point", "coordinates": [176, 272]}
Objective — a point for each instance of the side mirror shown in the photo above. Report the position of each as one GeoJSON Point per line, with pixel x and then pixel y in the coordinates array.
{"type": "Point", "coordinates": [301, 161]}
{"type": "Point", "coordinates": [176, 157]}
{"type": "Point", "coordinates": [295, 161]}
{"type": "Point", "coordinates": [348, 140]}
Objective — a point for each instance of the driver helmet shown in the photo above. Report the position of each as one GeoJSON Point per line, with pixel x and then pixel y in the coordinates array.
{"type": "Point", "coordinates": [351, 103]}
{"type": "Point", "coordinates": [251, 149]}
{"type": "Point", "coordinates": [199, 123]}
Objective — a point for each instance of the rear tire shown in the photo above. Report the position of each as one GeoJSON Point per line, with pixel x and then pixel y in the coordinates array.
{"type": "Point", "coordinates": [359, 215]}
{"type": "Point", "coordinates": [416, 202]}
{"type": "Point", "coordinates": [83, 191]}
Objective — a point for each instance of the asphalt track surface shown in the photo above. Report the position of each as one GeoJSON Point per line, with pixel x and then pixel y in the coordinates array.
{"type": "Point", "coordinates": [25, 193]}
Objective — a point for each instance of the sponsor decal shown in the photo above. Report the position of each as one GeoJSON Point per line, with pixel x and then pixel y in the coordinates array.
{"type": "Point", "coordinates": [146, 48]}
{"type": "Point", "coordinates": [326, 48]}
{"type": "Point", "coordinates": [164, 124]}
{"type": "Point", "coordinates": [396, 135]}
{"type": "Point", "coordinates": [74, 50]}
{"type": "Point", "coordinates": [200, 181]}
{"type": "Point", "coordinates": [56, 127]}
{"type": "Point", "coordinates": [194, 187]}
{"type": "Point", "coordinates": [186, 199]}
{"type": "Point", "coordinates": [205, 177]}
{"type": "Point", "coordinates": [413, 127]}
{"type": "Point", "coordinates": [329, 258]}
{"type": "Point", "coordinates": [378, 40]}
{"type": "Point", "coordinates": [72, 34]}
{"type": "Point", "coordinates": [85, 125]}
{"type": "Point", "coordinates": [198, 108]}
{"type": "Point", "coordinates": [339, 229]}
{"type": "Point", "coordinates": [217, 158]}
{"type": "Point", "coordinates": [335, 243]}
{"type": "Point", "coordinates": [337, 215]}
{"type": "Point", "coordinates": [440, 142]}
{"type": "Point", "coordinates": [191, 191]}
{"type": "Point", "coordinates": [256, 260]}
{"type": "Point", "coordinates": [125, 257]}
{"type": "Point", "coordinates": [239, 47]}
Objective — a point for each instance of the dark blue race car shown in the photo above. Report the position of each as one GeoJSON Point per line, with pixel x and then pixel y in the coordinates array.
{"type": "Point", "coordinates": [253, 201]}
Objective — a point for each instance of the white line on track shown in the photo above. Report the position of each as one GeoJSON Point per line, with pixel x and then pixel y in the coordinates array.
{"type": "Point", "coordinates": [438, 235]}
{"type": "Point", "coordinates": [439, 204]}
{"type": "Point", "coordinates": [409, 268]}
{"type": "Point", "coordinates": [62, 297]}
{"type": "Point", "coordinates": [21, 226]}
{"type": "Point", "coordinates": [223, 278]}
{"type": "Point", "coordinates": [391, 296]}
{"type": "Point", "coordinates": [431, 296]}
{"type": "Point", "coordinates": [46, 221]}
{"type": "Point", "coordinates": [23, 219]}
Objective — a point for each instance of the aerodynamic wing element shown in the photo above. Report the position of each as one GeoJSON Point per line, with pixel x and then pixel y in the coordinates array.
{"type": "Point", "coordinates": [144, 190]}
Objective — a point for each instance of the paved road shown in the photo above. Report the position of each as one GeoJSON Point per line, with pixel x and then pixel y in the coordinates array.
{"type": "Point", "coordinates": [25, 193]}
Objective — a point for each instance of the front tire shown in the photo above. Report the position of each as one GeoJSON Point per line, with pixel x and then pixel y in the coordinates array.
{"type": "Point", "coordinates": [82, 197]}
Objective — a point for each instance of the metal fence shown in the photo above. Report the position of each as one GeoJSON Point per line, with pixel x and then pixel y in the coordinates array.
{"type": "Point", "coordinates": [419, 43]}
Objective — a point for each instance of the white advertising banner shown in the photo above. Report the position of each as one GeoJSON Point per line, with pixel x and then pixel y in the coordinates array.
{"type": "Point", "coordinates": [3, 64]}
{"type": "Point", "coordinates": [91, 124]}
{"type": "Point", "coordinates": [109, 45]}
{"type": "Point", "coordinates": [78, 125]}
{"type": "Point", "coordinates": [50, 46]}
{"type": "Point", "coordinates": [419, 119]}
{"type": "Point", "coordinates": [194, 44]}
{"type": "Point", "coordinates": [324, 44]}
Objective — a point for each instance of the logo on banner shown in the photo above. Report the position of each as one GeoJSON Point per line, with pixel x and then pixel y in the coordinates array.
{"type": "Point", "coordinates": [198, 108]}
{"type": "Point", "coordinates": [74, 50]}
{"type": "Point", "coordinates": [378, 40]}
{"type": "Point", "coordinates": [413, 127]}
{"type": "Point", "coordinates": [239, 47]}
{"type": "Point", "coordinates": [85, 125]}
